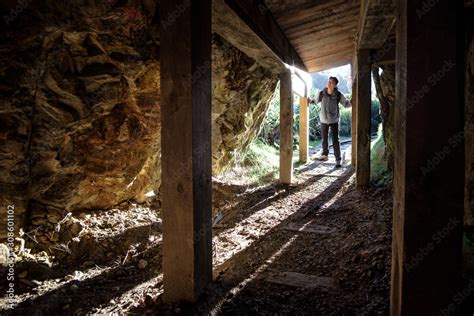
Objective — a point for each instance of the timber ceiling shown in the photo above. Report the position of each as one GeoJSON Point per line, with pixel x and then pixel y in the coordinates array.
{"type": "Point", "coordinates": [323, 32]}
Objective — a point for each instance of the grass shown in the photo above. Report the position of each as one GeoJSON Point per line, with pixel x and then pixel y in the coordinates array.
{"type": "Point", "coordinates": [314, 143]}
{"type": "Point", "coordinates": [261, 163]}
{"type": "Point", "coordinates": [379, 174]}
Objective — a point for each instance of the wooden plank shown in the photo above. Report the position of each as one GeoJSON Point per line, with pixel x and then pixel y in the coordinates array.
{"type": "Point", "coordinates": [293, 17]}
{"type": "Point", "coordinates": [354, 122]}
{"type": "Point", "coordinates": [340, 59]}
{"type": "Point", "coordinates": [376, 22]}
{"type": "Point", "coordinates": [230, 26]}
{"type": "Point", "coordinates": [315, 37]}
{"type": "Point", "coordinates": [302, 280]}
{"type": "Point", "coordinates": [304, 130]}
{"type": "Point", "coordinates": [326, 31]}
{"type": "Point", "coordinates": [185, 148]}
{"type": "Point", "coordinates": [428, 186]}
{"type": "Point", "coordinates": [286, 128]}
{"type": "Point", "coordinates": [363, 118]}
{"type": "Point", "coordinates": [284, 7]}
{"type": "Point", "coordinates": [386, 54]}
{"type": "Point", "coordinates": [262, 22]}
{"type": "Point", "coordinates": [327, 54]}
{"type": "Point", "coordinates": [330, 21]}
{"type": "Point", "coordinates": [328, 65]}
{"type": "Point", "coordinates": [335, 50]}
{"type": "Point", "coordinates": [309, 228]}
{"type": "Point", "coordinates": [318, 43]}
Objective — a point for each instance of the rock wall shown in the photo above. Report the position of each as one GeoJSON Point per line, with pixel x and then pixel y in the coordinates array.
{"type": "Point", "coordinates": [241, 94]}
{"type": "Point", "coordinates": [385, 86]}
{"type": "Point", "coordinates": [80, 109]}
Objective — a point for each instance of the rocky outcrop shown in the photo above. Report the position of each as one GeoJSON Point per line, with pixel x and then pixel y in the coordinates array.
{"type": "Point", "coordinates": [385, 86]}
{"type": "Point", "coordinates": [80, 108]}
{"type": "Point", "coordinates": [241, 93]}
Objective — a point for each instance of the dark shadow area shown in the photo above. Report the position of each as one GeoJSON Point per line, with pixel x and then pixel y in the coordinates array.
{"type": "Point", "coordinates": [266, 195]}
{"type": "Point", "coordinates": [115, 280]}
{"type": "Point", "coordinates": [356, 256]}
{"type": "Point", "coordinates": [237, 268]}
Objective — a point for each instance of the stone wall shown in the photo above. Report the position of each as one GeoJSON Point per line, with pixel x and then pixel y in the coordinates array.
{"type": "Point", "coordinates": [385, 86]}
{"type": "Point", "coordinates": [80, 107]}
{"type": "Point", "coordinates": [241, 94]}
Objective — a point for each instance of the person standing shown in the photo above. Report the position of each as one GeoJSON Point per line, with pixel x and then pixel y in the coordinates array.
{"type": "Point", "coordinates": [330, 97]}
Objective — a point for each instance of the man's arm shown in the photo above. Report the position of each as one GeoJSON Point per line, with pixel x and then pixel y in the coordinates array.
{"type": "Point", "coordinates": [346, 103]}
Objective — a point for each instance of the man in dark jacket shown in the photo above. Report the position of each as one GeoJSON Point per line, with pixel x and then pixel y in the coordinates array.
{"type": "Point", "coordinates": [330, 97]}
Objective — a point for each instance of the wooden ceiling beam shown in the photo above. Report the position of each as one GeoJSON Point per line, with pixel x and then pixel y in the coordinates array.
{"type": "Point", "coordinates": [326, 32]}
{"type": "Point", "coordinates": [376, 23]}
{"type": "Point", "coordinates": [291, 17]}
{"type": "Point", "coordinates": [230, 26]}
{"type": "Point", "coordinates": [328, 21]}
{"type": "Point", "coordinates": [282, 8]}
{"type": "Point", "coordinates": [324, 44]}
{"type": "Point", "coordinates": [321, 53]}
{"type": "Point", "coordinates": [327, 65]}
{"type": "Point", "coordinates": [330, 58]}
{"type": "Point", "coordinates": [259, 18]}
{"type": "Point", "coordinates": [314, 39]}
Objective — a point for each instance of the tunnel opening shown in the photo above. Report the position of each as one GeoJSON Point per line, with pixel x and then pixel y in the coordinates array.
{"type": "Point", "coordinates": [123, 123]}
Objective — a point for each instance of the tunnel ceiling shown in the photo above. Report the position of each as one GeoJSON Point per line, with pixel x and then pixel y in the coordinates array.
{"type": "Point", "coordinates": [322, 32]}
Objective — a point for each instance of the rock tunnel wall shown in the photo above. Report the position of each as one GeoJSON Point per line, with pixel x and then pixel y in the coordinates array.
{"type": "Point", "coordinates": [80, 106]}
{"type": "Point", "coordinates": [385, 86]}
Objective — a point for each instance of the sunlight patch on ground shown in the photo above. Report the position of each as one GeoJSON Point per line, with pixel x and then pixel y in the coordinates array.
{"type": "Point", "coordinates": [231, 241]}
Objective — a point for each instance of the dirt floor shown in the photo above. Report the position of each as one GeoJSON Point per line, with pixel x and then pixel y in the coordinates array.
{"type": "Point", "coordinates": [317, 247]}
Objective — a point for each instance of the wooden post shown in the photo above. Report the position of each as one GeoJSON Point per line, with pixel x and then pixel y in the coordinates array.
{"type": "Point", "coordinates": [363, 118]}
{"type": "Point", "coordinates": [286, 128]}
{"type": "Point", "coordinates": [304, 127]}
{"type": "Point", "coordinates": [428, 179]}
{"type": "Point", "coordinates": [354, 122]}
{"type": "Point", "coordinates": [186, 147]}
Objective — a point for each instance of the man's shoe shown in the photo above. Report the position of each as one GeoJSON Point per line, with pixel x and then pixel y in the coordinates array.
{"type": "Point", "coordinates": [338, 164]}
{"type": "Point", "coordinates": [323, 158]}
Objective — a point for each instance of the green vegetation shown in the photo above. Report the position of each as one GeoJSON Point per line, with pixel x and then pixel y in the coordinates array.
{"type": "Point", "coordinates": [379, 174]}
{"type": "Point", "coordinates": [262, 158]}
{"type": "Point", "coordinates": [261, 162]}
{"type": "Point", "coordinates": [269, 133]}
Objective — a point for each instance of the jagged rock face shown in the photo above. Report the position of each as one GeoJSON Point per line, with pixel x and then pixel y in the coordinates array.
{"type": "Point", "coordinates": [241, 93]}
{"type": "Point", "coordinates": [80, 109]}
{"type": "Point", "coordinates": [95, 136]}
{"type": "Point", "coordinates": [385, 85]}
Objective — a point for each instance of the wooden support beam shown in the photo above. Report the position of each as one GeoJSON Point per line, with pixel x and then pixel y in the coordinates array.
{"type": "Point", "coordinates": [304, 128]}
{"type": "Point", "coordinates": [259, 18]}
{"type": "Point", "coordinates": [186, 148]}
{"type": "Point", "coordinates": [428, 180]}
{"type": "Point", "coordinates": [286, 128]}
{"type": "Point", "coordinates": [363, 118]}
{"type": "Point", "coordinates": [230, 26]}
{"type": "Point", "coordinates": [385, 54]}
{"type": "Point", "coordinates": [376, 21]}
{"type": "Point", "coordinates": [354, 122]}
